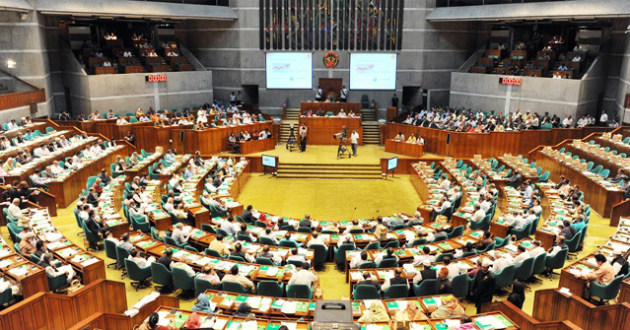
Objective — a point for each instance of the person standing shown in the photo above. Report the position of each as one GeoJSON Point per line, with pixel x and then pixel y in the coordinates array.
{"type": "Point", "coordinates": [483, 286]}
{"type": "Point", "coordinates": [318, 93]}
{"type": "Point", "coordinates": [343, 94]}
{"type": "Point", "coordinates": [603, 120]}
{"type": "Point", "coordinates": [395, 101]}
{"type": "Point", "coordinates": [354, 142]}
{"type": "Point", "coordinates": [303, 133]}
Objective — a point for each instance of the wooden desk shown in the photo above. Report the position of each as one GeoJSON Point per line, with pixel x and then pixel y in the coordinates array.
{"type": "Point", "coordinates": [104, 70]}
{"type": "Point", "coordinates": [254, 146]}
{"type": "Point", "coordinates": [148, 137]}
{"type": "Point", "coordinates": [114, 131]}
{"type": "Point", "coordinates": [133, 69]}
{"type": "Point", "coordinates": [158, 67]}
{"type": "Point", "coordinates": [211, 140]}
{"type": "Point", "coordinates": [35, 279]}
{"type": "Point", "coordinates": [333, 107]}
{"type": "Point", "coordinates": [66, 191]}
{"type": "Point", "coordinates": [322, 129]}
{"type": "Point", "coordinates": [493, 144]}
{"type": "Point", "coordinates": [600, 199]}
{"type": "Point", "coordinates": [403, 148]}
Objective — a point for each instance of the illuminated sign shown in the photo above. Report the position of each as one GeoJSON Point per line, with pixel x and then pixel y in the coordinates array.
{"type": "Point", "coordinates": [510, 81]}
{"type": "Point", "coordinates": [156, 78]}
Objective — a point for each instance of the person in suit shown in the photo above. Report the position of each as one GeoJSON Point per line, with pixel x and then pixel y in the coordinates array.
{"type": "Point", "coordinates": [92, 197]}
{"type": "Point", "coordinates": [427, 273]}
{"type": "Point", "coordinates": [444, 284]}
{"type": "Point", "coordinates": [306, 222]}
{"type": "Point", "coordinates": [247, 214]}
{"type": "Point", "coordinates": [483, 286]}
{"type": "Point", "coordinates": [166, 259]}
{"type": "Point", "coordinates": [238, 251]}
{"type": "Point", "coordinates": [397, 279]}
{"type": "Point", "coordinates": [368, 279]}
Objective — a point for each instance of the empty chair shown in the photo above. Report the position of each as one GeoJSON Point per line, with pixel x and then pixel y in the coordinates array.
{"type": "Point", "coordinates": [183, 281]}
{"type": "Point", "coordinates": [202, 285]}
{"type": "Point", "coordinates": [363, 291]}
{"type": "Point", "coordinates": [396, 291]}
{"type": "Point", "coordinates": [270, 288]}
{"type": "Point", "coordinates": [233, 287]}
{"type": "Point", "coordinates": [505, 277]}
{"type": "Point", "coordinates": [461, 285]}
{"type": "Point", "coordinates": [426, 288]}
{"type": "Point", "coordinates": [161, 276]}
{"type": "Point", "coordinates": [302, 291]}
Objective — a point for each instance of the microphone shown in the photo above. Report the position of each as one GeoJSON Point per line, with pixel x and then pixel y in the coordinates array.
{"type": "Point", "coordinates": [355, 208]}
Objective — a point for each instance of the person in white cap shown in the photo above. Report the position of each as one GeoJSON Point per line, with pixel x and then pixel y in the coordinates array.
{"type": "Point", "coordinates": [483, 286]}
{"type": "Point", "coordinates": [619, 263]}
{"type": "Point", "coordinates": [427, 273]}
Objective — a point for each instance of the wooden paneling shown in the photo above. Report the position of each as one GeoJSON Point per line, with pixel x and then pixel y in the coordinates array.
{"type": "Point", "coordinates": [55, 311]}
{"type": "Point", "coordinates": [551, 305]}
{"type": "Point", "coordinates": [619, 210]}
{"type": "Point", "coordinates": [322, 129]}
{"type": "Point", "coordinates": [333, 107]}
{"type": "Point", "coordinates": [14, 100]}
{"type": "Point", "coordinates": [116, 132]}
{"type": "Point", "coordinates": [492, 144]}
{"type": "Point", "coordinates": [600, 199]}
{"type": "Point", "coordinates": [212, 140]}
{"type": "Point", "coordinates": [254, 146]}
{"type": "Point", "coordinates": [403, 148]}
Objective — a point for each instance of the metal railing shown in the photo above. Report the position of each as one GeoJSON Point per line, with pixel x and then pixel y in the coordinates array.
{"type": "Point", "coordinates": [461, 3]}
{"type": "Point", "coordinates": [224, 3]}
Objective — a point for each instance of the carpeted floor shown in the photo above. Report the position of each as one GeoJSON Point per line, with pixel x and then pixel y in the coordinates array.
{"type": "Point", "coordinates": [329, 199]}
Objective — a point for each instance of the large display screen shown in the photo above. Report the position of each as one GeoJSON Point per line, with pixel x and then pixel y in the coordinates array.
{"type": "Point", "coordinates": [373, 71]}
{"type": "Point", "coordinates": [289, 70]}
{"type": "Point", "coordinates": [392, 164]}
{"type": "Point", "coordinates": [269, 161]}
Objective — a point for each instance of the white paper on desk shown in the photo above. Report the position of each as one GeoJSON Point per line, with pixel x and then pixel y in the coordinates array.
{"type": "Point", "coordinates": [89, 262]}
{"type": "Point", "coordinates": [452, 323]}
{"type": "Point", "coordinates": [265, 303]}
{"type": "Point", "coordinates": [249, 325]}
{"type": "Point", "coordinates": [4, 263]}
{"type": "Point", "coordinates": [356, 276]}
{"type": "Point", "coordinates": [492, 321]}
{"type": "Point", "coordinates": [290, 325]}
{"type": "Point", "coordinates": [220, 323]}
{"type": "Point", "coordinates": [272, 271]}
{"type": "Point", "coordinates": [208, 322]}
{"type": "Point", "coordinates": [163, 320]}
{"type": "Point", "coordinates": [289, 307]}
{"type": "Point", "coordinates": [409, 269]}
{"type": "Point", "coordinates": [254, 301]}
{"type": "Point", "coordinates": [373, 327]}
{"type": "Point", "coordinates": [575, 272]}
{"type": "Point", "coordinates": [565, 291]}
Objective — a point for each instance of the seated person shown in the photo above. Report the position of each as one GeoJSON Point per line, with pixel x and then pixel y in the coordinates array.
{"type": "Point", "coordinates": [209, 274]}
{"type": "Point", "coordinates": [304, 276]}
{"type": "Point", "coordinates": [180, 233]}
{"type": "Point", "coordinates": [448, 308]}
{"type": "Point", "coordinates": [52, 270]}
{"type": "Point", "coordinates": [236, 277]}
{"type": "Point", "coordinates": [238, 251]}
{"type": "Point", "coordinates": [397, 279]}
{"type": "Point", "coordinates": [142, 262]}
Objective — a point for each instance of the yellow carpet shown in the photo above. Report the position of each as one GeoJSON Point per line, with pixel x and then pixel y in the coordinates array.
{"type": "Point", "coordinates": [326, 200]}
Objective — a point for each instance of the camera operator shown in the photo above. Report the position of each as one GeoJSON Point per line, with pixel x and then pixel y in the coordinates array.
{"type": "Point", "coordinates": [303, 132]}
{"type": "Point", "coordinates": [354, 141]}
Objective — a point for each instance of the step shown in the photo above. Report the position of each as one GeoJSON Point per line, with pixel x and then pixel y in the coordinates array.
{"type": "Point", "coordinates": [326, 176]}
{"type": "Point", "coordinates": [285, 168]}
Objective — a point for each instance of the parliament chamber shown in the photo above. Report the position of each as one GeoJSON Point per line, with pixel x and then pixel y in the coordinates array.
{"type": "Point", "coordinates": [267, 165]}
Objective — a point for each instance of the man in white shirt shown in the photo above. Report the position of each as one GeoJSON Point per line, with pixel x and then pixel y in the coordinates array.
{"type": "Point", "coordinates": [500, 263]}
{"type": "Point", "coordinates": [454, 268]}
{"type": "Point", "coordinates": [538, 250]}
{"type": "Point", "coordinates": [522, 255]}
{"type": "Point", "coordinates": [140, 261]}
{"type": "Point", "coordinates": [478, 215]}
{"type": "Point", "coordinates": [15, 211]}
{"type": "Point", "coordinates": [445, 184]}
{"type": "Point", "coordinates": [41, 152]}
{"type": "Point", "coordinates": [359, 259]}
{"type": "Point", "coordinates": [567, 122]}
{"type": "Point", "coordinates": [354, 142]}
{"type": "Point", "coordinates": [304, 276]}
{"type": "Point", "coordinates": [420, 259]}
{"type": "Point", "coordinates": [229, 226]}
{"type": "Point", "coordinates": [603, 119]}
{"type": "Point", "coordinates": [180, 235]}
{"type": "Point", "coordinates": [55, 169]}
{"type": "Point", "coordinates": [315, 239]}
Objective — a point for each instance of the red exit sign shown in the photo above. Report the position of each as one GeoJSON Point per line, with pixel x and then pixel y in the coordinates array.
{"type": "Point", "coordinates": [510, 81]}
{"type": "Point", "coordinates": [156, 78]}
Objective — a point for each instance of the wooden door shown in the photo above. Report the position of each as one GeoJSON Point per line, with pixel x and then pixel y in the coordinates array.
{"type": "Point", "coordinates": [331, 86]}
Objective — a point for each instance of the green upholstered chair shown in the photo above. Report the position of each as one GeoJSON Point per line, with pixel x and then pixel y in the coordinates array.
{"type": "Point", "coordinates": [299, 291]}
{"type": "Point", "coordinates": [161, 276]}
{"type": "Point", "coordinates": [396, 291]}
{"type": "Point", "coordinates": [270, 288]}
{"type": "Point", "coordinates": [365, 292]}
{"type": "Point", "coordinates": [140, 277]}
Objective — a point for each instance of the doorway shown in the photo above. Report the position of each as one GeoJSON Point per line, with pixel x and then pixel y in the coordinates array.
{"type": "Point", "coordinates": [412, 97]}
{"type": "Point", "coordinates": [250, 94]}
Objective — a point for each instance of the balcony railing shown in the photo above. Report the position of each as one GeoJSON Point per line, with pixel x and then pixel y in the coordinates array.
{"type": "Point", "coordinates": [224, 3]}
{"type": "Point", "coordinates": [460, 3]}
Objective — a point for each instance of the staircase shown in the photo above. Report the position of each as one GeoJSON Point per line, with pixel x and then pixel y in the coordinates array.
{"type": "Point", "coordinates": [369, 115]}
{"type": "Point", "coordinates": [292, 117]}
{"type": "Point", "coordinates": [329, 171]}
{"type": "Point", "coordinates": [371, 132]}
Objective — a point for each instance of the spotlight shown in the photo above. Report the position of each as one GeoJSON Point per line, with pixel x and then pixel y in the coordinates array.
{"type": "Point", "coordinates": [23, 16]}
{"type": "Point", "coordinates": [11, 64]}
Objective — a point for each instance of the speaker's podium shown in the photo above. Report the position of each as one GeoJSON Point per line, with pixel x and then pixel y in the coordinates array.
{"type": "Point", "coordinates": [333, 314]}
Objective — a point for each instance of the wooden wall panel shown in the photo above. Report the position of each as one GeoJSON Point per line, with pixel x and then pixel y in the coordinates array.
{"type": "Point", "coordinates": [14, 100]}
{"type": "Point", "coordinates": [493, 144]}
